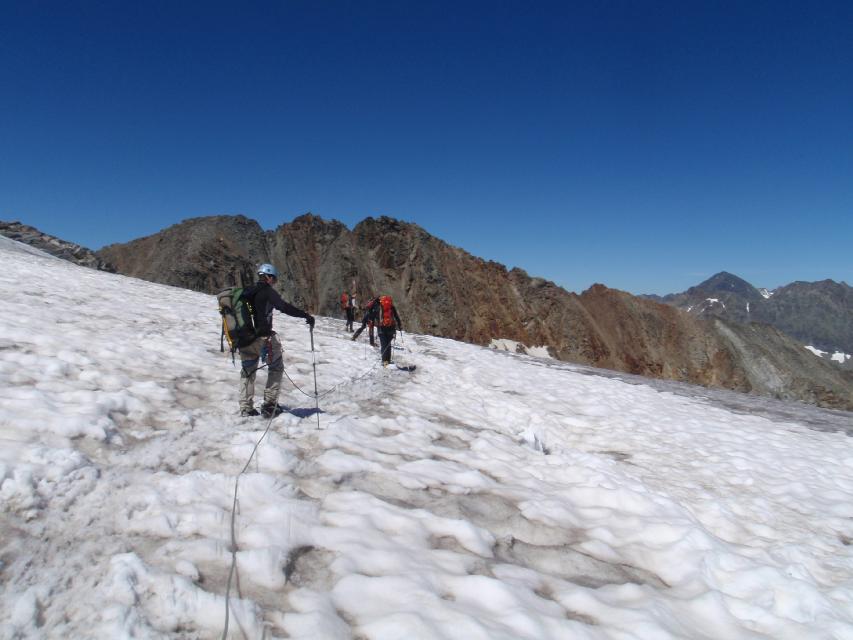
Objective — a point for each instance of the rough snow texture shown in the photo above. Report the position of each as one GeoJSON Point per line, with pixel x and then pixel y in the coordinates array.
{"type": "Point", "coordinates": [484, 496]}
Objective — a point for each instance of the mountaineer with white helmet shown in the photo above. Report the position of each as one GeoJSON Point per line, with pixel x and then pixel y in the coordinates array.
{"type": "Point", "coordinates": [263, 299]}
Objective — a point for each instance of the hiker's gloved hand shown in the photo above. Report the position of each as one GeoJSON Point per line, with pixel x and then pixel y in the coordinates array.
{"type": "Point", "coordinates": [310, 321]}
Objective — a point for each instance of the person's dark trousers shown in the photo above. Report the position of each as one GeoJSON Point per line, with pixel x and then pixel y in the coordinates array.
{"type": "Point", "coordinates": [386, 337]}
{"type": "Point", "coordinates": [370, 333]}
{"type": "Point", "coordinates": [350, 318]}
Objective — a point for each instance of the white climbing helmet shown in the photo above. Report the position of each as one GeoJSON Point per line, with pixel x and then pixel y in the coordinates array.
{"type": "Point", "coordinates": [267, 269]}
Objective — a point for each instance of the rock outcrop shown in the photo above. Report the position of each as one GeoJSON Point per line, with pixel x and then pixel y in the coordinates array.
{"type": "Point", "coordinates": [54, 246]}
{"type": "Point", "coordinates": [203, 254]}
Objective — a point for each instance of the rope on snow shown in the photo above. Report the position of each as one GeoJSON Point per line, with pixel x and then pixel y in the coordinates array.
{"type": "Point", "coordinates": [234, 503]}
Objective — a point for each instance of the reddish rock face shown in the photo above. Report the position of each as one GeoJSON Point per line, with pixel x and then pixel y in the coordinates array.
{"type": "Point", "coordinates": [445, 291]}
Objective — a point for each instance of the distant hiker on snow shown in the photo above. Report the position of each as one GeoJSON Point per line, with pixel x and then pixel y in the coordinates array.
{"type": "Point", "coordinates": [348, 307]}
{"type": "Point", "coordinates": [263, 299]}
{"type": "Point", "coordinates": [382, 312]}
{"type": "Point", "coordinates": [370, 302]}
{"type": "Point", "coordinates": [350, 312]}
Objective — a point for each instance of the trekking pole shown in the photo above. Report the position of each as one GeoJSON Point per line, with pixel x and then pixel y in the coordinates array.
{"type": "Point", "coordinates": [316, 396]}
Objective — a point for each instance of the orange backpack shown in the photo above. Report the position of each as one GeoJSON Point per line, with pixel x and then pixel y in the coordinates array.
{"type": "Point", "coordinates": [386, 315]}
{"type": "Point", "coordinates": [344, 300]}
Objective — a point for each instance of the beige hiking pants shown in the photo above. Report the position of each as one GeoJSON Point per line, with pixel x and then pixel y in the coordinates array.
{"type": "Point", "coordinates": [268, 350]}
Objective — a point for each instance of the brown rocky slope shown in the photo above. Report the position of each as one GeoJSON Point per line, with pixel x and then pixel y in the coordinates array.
{"type": "Point", "coordinates": [442, 290]}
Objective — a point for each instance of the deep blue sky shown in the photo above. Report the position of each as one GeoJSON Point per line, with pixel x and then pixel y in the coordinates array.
{"type": "Point", "coordinates": [643, 145]}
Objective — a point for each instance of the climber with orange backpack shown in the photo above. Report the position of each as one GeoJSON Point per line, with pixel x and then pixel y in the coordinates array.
{"type": "Point", "coordinates": [382, 312]}
{"type": "Point", "coordinates": [348, 307]}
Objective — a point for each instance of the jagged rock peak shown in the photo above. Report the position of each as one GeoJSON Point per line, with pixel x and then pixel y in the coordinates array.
{"type": "Point", "coordinates": [597, 289]}
{"type": "Point", "coordinates": [311, 220]}
{"type": "Point", "coordinates": [725, 282]}
{"type": "Point", "coordinates": [603, 292]}
{"type": "Point", "coordinates": [236, 219]}
{"type": "Point", "coordinates": [386, 224]}
{"type": "Point", "coordinates": [191, 229]}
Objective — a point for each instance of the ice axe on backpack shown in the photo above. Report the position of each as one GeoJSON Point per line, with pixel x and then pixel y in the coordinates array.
{"type": "Point", "coordinates": [237, 322]}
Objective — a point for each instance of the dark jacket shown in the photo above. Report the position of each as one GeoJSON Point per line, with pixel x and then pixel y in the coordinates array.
{"type": "Point", "coordinates": [264, 299]}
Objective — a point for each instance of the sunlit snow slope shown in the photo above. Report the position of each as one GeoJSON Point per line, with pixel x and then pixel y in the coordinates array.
{"type": "Point", "coordinates": [483, 496]}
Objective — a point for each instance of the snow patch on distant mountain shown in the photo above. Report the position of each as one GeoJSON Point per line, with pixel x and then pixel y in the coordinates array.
{"type": "Point", "coordinates": [502, 344]}
{"type": "Point", "coordinates": [838, 356]}
{"type": "Point", "coordinates": [706, 305]}
{"type": "Point", "coordinates": [766, 293]}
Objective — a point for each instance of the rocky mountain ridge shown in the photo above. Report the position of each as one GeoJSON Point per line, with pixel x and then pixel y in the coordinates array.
{"type": "Point", "coordinates": [443, 290]}
{"type": "Point", "coordinates": [54, 246]}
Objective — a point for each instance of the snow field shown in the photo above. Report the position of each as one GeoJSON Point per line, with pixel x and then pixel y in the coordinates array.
{"type": "Point", "coordinates": [484, 495]}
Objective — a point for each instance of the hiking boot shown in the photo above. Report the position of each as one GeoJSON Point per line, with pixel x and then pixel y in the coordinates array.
{"type": "Point", "coordinates": [245, 413]}
{"type": "Point", "coordinates": [271, 410]}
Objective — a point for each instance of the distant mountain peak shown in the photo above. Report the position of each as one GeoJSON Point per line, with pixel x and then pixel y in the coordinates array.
{"type": "Point", "coordinates": [816, 313]}
{"type": "Point", "coordinates": [725, 281]}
